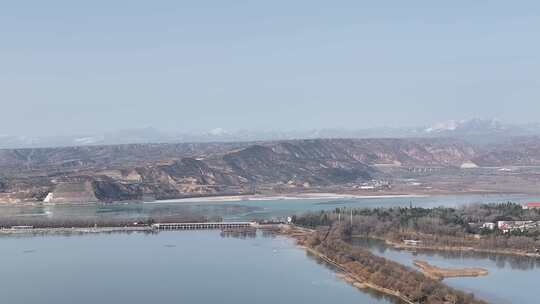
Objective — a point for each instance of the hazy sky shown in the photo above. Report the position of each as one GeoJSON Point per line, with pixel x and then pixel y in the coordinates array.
{"type": "Point", "coordinates": [86, 66]}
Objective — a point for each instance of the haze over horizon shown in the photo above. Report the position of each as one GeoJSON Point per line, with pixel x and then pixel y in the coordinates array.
{"type": "Point", "coordinates": [76, 68]}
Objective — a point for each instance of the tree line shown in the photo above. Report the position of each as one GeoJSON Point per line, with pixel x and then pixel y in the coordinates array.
{"type": "Point", "coordinates": [442, 226]}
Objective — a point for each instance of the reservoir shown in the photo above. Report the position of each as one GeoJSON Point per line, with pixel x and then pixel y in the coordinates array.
{"type": "Point", "coordinates": [168, 267]}
{"type": "Point", "coordinates": [511, 279]}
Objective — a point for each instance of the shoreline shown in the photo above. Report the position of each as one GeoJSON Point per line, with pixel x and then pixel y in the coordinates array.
{"type": "Point", "coordinates": [294, 232]}
{"type": "Point", "coordinates": [439, 273]}
{"type": "Point", "coordinates": [348, 272]}
{"type": "Point", "coordinates": [297, 233]}
{"type": "Point", "coordinates": [299, 196]}
{"type": "Point", "coordinates": [330, 195]}
{"type": "Point", "coordinates": [354, 280]}
{"type": "Point", "coordinates": [458, 249]}
{"type": "Point", "coordinates": [401, 246]}
{"type": "Point", "coordinates": [277, 196]}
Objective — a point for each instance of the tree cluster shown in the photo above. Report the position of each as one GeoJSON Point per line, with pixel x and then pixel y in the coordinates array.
{"type": "Point", "coordinates": [382, 272]}
{"type": "Point", "coordinates": [439, 227]}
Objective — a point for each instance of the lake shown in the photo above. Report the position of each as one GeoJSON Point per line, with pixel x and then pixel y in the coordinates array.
{"type": "Point", "coordinates": [167, 267]}
{"type": "Point", "coordinates": [511, 279]}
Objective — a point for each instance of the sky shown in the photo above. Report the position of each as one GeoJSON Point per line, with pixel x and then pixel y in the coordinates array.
{"type": "Point", "coordinates": [91, 66]}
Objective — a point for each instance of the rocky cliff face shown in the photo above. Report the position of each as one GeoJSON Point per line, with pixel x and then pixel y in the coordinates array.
{"type": "Point", "coordinates": [109, 191]}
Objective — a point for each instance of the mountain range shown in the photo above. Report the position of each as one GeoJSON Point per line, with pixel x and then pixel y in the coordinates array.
{"type": "Point", "coordinates": [163, 171]}
{"type": "Point", "coordinates": [480, 131]}
{"type": "Point", "coordinates": [175, 170]}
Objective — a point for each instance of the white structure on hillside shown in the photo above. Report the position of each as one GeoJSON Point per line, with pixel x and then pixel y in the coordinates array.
{"type": "Point", "coordinates": [469, 165]}
{"type": "Point", "coordinates": [49, 198]}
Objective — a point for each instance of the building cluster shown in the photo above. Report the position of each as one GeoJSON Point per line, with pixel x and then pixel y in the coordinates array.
{"type": "Point", "coordinates": [509, 226]}
{"type": "Point", "coordinates": [532, 205]}
{"type": "Point", "coordinates": [374, 184]}
{"type": "Point", "coordinates": [23, 227]}
{"type": "Point", "coordinates": [490, 226]}
{"type": "Point", "coordinates": [412, 242]}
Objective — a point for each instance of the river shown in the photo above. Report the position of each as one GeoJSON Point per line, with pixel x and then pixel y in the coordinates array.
{"type": "Point", "coordinates": [511, 279]}
{"type": "Point", "coordinates": [247, 209]}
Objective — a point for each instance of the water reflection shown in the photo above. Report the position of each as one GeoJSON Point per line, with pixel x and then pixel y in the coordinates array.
{"type": "Point", "coordinates": [76, 232]}
{"type": "Point", "coordinates": [511, 279]}
{"type": "Point", "coordinates": [373, 293]}
{"type": "Point", "coordinates": [240, 233]}
{"type": "Point", "coordinates": [501, 261]}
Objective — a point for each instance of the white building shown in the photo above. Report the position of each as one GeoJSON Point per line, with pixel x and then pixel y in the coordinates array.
{"type": "Point", "coordinates": [469, 165]}
{"type": "Point", "coordinates": [489, 226]}
{"type": "Point", "coordinates": [49, 198]}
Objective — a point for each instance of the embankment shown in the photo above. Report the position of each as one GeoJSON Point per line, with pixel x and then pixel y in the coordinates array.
{"type": "Point", "coordinates": [439, 273]}
{"type": "Point", "coordinates": [365, 270]}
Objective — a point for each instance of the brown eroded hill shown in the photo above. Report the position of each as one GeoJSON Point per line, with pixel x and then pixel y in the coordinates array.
{"type": "Point", "coordinates": [130, 172]}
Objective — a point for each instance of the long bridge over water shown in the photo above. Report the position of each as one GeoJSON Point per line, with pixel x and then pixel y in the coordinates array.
{"type": "Point", "coordinates": [207, 225]}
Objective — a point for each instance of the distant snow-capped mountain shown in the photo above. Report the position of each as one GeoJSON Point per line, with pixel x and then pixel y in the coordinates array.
{"type": "Point", "coordinates": [475, 125]}
{"type": "Point", "coordinates": [475, 130]}
{"type": "Point", "coordinates": [442, 126]}
{"type": "Point", "coordinates": [480, 131]}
